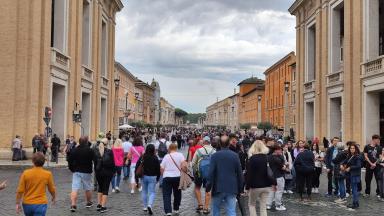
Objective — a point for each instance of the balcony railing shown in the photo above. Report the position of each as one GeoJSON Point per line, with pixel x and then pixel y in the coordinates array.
{"type": "Point", "coordinates": [309, 86]}
{"type": "Point", "coordinates": [87, 73]}
{"type": "Point", "coordinates": [59, 59]}
{"type": "Point", "coordinates": [374, 66]}
{"type": "Point", "coordinates": [104, 82]}
{"type": "Point", "coordinates": [335, 78]}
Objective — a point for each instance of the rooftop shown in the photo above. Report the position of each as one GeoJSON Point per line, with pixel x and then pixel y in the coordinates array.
{"type": "Point", "coordinates": [252, 80]}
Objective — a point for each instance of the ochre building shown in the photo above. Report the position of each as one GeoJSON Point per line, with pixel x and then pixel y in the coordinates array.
{"type": "Point", "coordinates": [58, 54]}
{"type": "Point", "coordinates": [251, 108]}
{"type": "Point", "coordinates": [340, 68]}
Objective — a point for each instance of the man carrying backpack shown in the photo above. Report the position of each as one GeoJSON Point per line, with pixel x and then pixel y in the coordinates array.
{"type": "Point", "coordinates": [162, 149]}
{"type": "Point", "coordinates": [200, 164]}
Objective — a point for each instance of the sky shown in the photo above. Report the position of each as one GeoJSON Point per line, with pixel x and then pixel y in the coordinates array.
{"type": "Point", "coordinates": [199, 50]}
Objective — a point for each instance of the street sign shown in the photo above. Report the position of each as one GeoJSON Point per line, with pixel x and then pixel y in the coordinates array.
{"type": "Point", "coordinates": [48, 132]}
{"type": "Point", "coordinates": [47, 120]}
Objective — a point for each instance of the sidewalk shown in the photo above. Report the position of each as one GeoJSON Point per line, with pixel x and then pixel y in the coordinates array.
{"type": "Point", "coordinates": [8, 164]}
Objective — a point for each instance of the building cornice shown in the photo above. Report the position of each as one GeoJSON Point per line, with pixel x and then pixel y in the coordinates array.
{"type": "Point", "coordinates": [291, 54]}
{"type": "Point", "coordinates": [118, 65]}
{"type": "Point", "coordinates": [294, 6]}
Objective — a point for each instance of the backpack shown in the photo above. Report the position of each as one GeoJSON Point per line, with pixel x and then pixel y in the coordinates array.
{"type": "Point", "coordinates": [162, 150]}
{"type": "Point", "coordinates": [204, 164]}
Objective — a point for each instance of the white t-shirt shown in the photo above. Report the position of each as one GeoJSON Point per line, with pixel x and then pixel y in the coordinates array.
{"type": "Point", "coordinates": [157, 143]}
{"type": "Point", "coordinates": [127, 146]}
{"type": "Point", "coordinates": [170, 169]}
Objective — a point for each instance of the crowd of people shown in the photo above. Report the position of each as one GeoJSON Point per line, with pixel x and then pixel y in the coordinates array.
{"type": "Point", "coordinates": [227, 166]}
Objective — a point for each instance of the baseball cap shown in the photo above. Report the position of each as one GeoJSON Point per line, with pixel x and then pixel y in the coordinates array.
{"type": "Point", "coordinates": [207, 138]}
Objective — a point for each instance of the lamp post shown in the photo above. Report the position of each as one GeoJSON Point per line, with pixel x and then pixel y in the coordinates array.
{"type": "Point", "coordinates": [259, 97]}
{"type": "Point", "coordinates": [116, 114]}
{"type": "Point", "coordinates": [286, 89]}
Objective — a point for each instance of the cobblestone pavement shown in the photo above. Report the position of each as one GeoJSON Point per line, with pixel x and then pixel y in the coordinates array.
{"type": "Point", "coordinates": [130, 205]}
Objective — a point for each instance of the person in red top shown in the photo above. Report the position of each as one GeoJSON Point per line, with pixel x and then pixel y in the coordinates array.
{"type": "Point", "coordinates": [196, 145]}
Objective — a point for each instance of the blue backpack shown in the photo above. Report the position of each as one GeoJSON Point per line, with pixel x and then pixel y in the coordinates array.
{"type": "Point", "coordinates": [204, 164]}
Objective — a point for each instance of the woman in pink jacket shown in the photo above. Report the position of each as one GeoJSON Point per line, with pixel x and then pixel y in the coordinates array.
{"type": "Point", "coordinates": [118, 154]}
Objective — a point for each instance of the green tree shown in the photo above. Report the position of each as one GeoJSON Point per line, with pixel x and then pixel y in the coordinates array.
{"type": "Point", "coordinates": [180, 113]}
{"type": "Point", "coordinates": [266, 126]}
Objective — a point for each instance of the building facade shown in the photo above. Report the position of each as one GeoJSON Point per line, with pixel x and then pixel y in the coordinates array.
{"type": "Point", "coordinates": [167, 113]}
{"type": "Point", "coordinates": [126, 94]}
{"type": "Point", "coordinates": [251, 101]}
{"type": "Point", "coordinates": [57, 54]}
{"type": "Point", "coordinates": [340, 75]}
{"type": "Point", "coordinates": [278, 97]}
{"type": "Point", "coordinates": [148, 101]}
{"type": "Point", "coordinates": [223, 113]}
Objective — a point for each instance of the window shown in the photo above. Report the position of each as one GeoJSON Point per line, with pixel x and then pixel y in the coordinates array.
{"type": "Point", "coordinates": [311, 53]}
{"type": "Point", "coordinates": [59, 25]}
{"type": "Point", "coordinates": [104, 49]}
{"type": "Point", "coordinates": [86, 34]}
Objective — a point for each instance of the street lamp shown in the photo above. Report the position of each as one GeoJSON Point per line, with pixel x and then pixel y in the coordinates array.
{"type": "Point", "coordinates": [286, 89]}
{"type": "Point", "coordinates": [116, 114]}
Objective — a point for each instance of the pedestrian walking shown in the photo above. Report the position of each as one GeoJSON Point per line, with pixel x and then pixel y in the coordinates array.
{"type": "Point", "coordinates": [304, 166]}
{"type": "Point", "coordinates": [35, 141]}
{"type": "Point", "coordinates": [339, 172]}
{"type": "Point", "coordinates": [257, 181]}
{"type": "Point", "coordinates": [118, 156]}
{"type": "Point", "coordinates": [31, 192]}
{"type": "Point", "coordinates": [55, 148]}
{"type": "Point", "coordinates": [80, 163]}
{"type": "Point", "coordinates": [288, 176]}
{"type": "Point", "coordinates": [104, 170]}
{"type": "Point", "coordinates": [225, 179]}
{"type": "Point", "coordinates": [200, 164]}
{"type": "Point", "coordinates": [319, 158]}
{"type": "Point", "coordinates": [171, 166]}
{"type": "Point", "coordinates": [151, 174]}
{"type": "Point", "coordinates": [330, 155]}
{"type": "Point", "coordinates": [371, 155]}
{"type": "Point", "coordinates": [278, 167]}
{"type": "Point", "coordinates": [17, 148]}
{"type": "Point", "coordinates": [126, 146]}
{"type": "Point", "coordinates": [353, 169]}
{"type": "Point", "coordinates": [136, 151]}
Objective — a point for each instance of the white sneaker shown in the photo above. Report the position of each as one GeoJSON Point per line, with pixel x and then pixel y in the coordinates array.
{"type": "Point", "coordinates": [268, 207]}
{"type": "Point", "coordinates": [285, 192]}
{"type": "Point", "coordinates": [316, 190]}
{"type": "Point", "coordinates": [341, 200]}
{"type": "Point", "coordinates": [113, 191]}
{"type": "Point", "coordinates": [132, 191]}
{"type": "Point", "coordinates": [290, 192]}
{"type": "Point", "coordinates": [140, 188]}
{"type": "Point", "coordinates": [313, 190]}
{"type": "Point", "coordinates": [281, 208]}
{"type": "Point", "coordinates": [347, 195]}
{"type": "Point", "coordinates": [117, 189]}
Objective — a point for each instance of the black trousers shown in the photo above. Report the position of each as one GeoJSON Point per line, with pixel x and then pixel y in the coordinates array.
{"type": "Point", "coordinates": [103, 182]}
{"type": "Point", "coordinates": [55, 152]}
{"type": "Point", "coordinates": [316, 177]}
{"type": "Point", "coordinates": [368, 178]}
{"type": "Point", "coordinates": [171, 184]}
{"type": "Point", "coordinates": [304, 179]}
{"type": "Point", "coordinates": [330, 183]}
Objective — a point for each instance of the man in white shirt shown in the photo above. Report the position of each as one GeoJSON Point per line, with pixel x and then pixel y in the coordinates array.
{"type": "Point", "coordinates": [126, 146]}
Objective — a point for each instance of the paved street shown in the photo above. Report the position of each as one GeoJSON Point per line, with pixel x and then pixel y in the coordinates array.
{"type": "Point", "coordinates": [127, 204]}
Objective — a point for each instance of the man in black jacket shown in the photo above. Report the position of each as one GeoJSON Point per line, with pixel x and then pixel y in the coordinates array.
{"type": "Point", "coordinates": [331, 153]}
{"type": "Point", "coordinates": [80, 163]}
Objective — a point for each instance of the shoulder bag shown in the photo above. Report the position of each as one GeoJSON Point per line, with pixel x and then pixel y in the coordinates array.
{"type": "Point", "coordinates": [270, 174]}
{"type": "Point", "coordinates": [185, 178]}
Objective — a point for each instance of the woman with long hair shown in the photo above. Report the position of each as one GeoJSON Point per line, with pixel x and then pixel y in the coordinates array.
{"type": "Point", "coordinates": [319, 158]}
{"type": "Point", "coordinates": [304, 165]}
{"type": "Point", "coordinates": [256, 179]}
{"type": "Point", "coordinates": [151, 175]}
{"type": "Point", "coordinates": [104, 169]}
{"type": "Point", "coordinates": [352, 167]}
{"type": "Point", "coordinates": [299, 148]}
{"type": "Point", "coordinates": [118, 155]}
{"type": "Point", "coordinates": [135, 152]}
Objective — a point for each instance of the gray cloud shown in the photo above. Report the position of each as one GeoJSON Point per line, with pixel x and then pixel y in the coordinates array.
{"type": "Point", "coordinates": [223, 40]}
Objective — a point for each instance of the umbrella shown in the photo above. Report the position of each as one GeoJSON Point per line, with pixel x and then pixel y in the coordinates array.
{"type": "Point", "coordinates": [125, 126]}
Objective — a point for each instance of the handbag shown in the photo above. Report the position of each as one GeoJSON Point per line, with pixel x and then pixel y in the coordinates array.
{"type": "Point", "coordinates": [270, 174]}
{"type": "Point", "coordinates": [139, 172]}
{"type": "Point", "coordinates": [185, 178]}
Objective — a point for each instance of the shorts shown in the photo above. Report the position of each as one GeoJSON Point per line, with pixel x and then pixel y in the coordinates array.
{"type": "Point", "coordinates": [82, 181]}
{"type": "Point", "coordinates": [200, 182]}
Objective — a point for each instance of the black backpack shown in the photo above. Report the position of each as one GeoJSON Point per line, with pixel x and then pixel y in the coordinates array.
{"type": "Point", "coordinates": [162, 150]}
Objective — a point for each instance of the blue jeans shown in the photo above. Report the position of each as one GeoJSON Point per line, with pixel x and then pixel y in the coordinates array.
{"type": "Point", "coordinates": [229, 200]}
{"type": "Point", "coordinates": [148, 193]}
{"type": "Point", "coordinates": [116, 178]}
{"type": "Point", "coordinates": [35, 210]}
{"type": "Point", "coordinates": [342, 192]}
{"type": "Point", "coordinates": [126, 171]}
{"type": "Point", "coordinates": [171, 184]}
{"type": "Point", "coordinates": [355, 180]}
